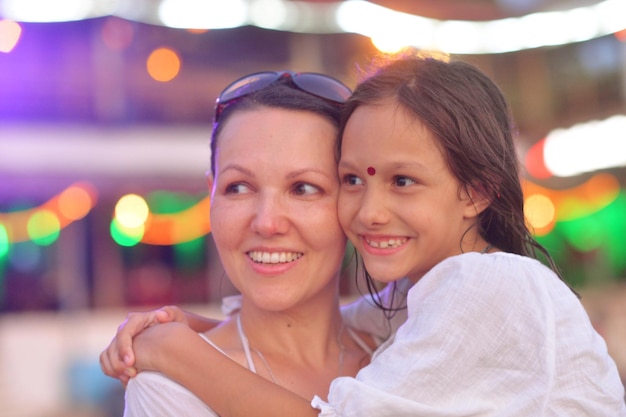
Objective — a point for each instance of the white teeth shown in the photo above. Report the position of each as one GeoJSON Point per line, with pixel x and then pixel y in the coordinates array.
{"type": "Point", "coordinates": [384, 244]}
{"type": "Point", "coordinates": [273, 257]}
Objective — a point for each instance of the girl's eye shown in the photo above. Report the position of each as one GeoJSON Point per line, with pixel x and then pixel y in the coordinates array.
{"type": "Point", "coordinates": [351, 179]}
{"type": "Point", "coordinates": [237, 188]}
{"type": "Point", "coordinates": [403, 181]}
{"type": "Point", "coordinates": [305, 189]}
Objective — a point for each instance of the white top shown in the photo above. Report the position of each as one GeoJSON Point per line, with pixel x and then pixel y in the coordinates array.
{"type": "Point", "coordinates": [486, 335]}
{"type": "Point", "coordinates": [154, 394]}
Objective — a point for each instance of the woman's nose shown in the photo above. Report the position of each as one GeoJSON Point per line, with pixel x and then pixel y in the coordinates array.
{"type": "Point", "coordinates": [271, 216]}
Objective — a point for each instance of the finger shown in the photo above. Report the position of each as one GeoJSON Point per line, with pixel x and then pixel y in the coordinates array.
{"type": "Point", "coordinates": [164, 315]}
{"type": "Point", "coordinates": [171, 313]}
{"type": "Point", "coordinates": [123, 342]}
{"type": "Point", "coordinates": [110, 364]}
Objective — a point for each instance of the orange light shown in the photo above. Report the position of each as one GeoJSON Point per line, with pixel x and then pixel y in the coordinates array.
{"type": "Point", "coordinates": [70, 205]}
{"type": "Point", "coordinates": [184, 226]}
{"type": "Point", "coordinates": [163, 64]}
{"type": "Point", "coordinates": [580, 201]}
{"type": "Point", "coordinates": [621, 35]}
{"type": "Point", "coordinates": [76, 201]}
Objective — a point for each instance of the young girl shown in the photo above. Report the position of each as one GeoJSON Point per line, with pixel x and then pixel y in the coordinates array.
{"type": "Point", "coordinates": [431, 192]}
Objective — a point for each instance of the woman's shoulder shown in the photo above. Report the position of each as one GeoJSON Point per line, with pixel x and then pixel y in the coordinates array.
{"type": "Point", "coordinates": [153, 393]}
{"type": "Point", "coordinates": [147, 382]}
{"type": "Point", "coordinates": [226, 338]}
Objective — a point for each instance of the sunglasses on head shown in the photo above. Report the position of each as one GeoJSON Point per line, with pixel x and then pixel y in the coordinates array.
{"type": "Point", "coordinates": [318, 85]}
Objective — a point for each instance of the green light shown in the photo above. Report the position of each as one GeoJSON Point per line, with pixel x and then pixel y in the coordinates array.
{"type": "Point", "coordinates": [614, 216]}
{"type": "Point", "coordinates": [190, 254]}
{"type": "Point", "coordinates": [165, 202]}
{"type": "Point", "coordinates": [125, 236]}
{"type": "Point", "coordinates": [4, 241]}
{"type": "Point", "coordinates": [604, 228]}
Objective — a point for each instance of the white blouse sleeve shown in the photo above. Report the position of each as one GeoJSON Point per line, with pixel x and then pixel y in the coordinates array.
{"type": "Point", "coordinates": [487, 335]}
{"type": "Point", "coordinates": [154, 394]}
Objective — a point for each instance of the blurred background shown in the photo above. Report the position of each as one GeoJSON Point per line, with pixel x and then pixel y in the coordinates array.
{"type": "Point", "coordinates": [105, 117]}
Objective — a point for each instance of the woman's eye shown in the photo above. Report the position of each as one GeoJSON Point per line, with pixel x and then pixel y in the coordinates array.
{"type": "Point", "coordinates": [352, 180]}
{"type": "Point", "coordinates": [304, 189]}
{"type": "Point", "coordinates": [237, 189]}
{"type": "Point", "coordinates": [403, 181]}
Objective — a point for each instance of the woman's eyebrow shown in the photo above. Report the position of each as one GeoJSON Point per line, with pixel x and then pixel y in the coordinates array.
{"type": "Point", "coordinates": [236, 167]}
{"type": "Point", "coordinates": [299, 172]}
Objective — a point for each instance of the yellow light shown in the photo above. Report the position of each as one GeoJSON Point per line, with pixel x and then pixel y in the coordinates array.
{"type": "Point", "coordinates": [539, 211]}
{"type": "Point", "coordinates": [43, 227]}
{"type": "Point", "coordinates": [131, 211]}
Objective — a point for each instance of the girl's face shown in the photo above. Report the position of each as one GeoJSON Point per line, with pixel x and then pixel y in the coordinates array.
{"type": "Point", "coordinates": [399, 203]}
{"type": "Point", "coordinates": [274, 206]}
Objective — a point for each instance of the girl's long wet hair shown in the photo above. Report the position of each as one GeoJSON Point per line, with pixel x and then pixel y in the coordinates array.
{"type": "Point", "coordinates": [469, 116]}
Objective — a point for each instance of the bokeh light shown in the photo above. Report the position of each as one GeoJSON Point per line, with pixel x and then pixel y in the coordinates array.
{"type": "Point", "coordinates": [126, 236]}
{"type": "Point", "coordinates": [131, 211]}
{"type": "Point", "coordinates": [75, 202]}
{"type": "Point", "coordinates": [10, 32]}
{"type": "Point", "coordinates": [163, 64]}
{"type": "Point", "coordinates": [117, 34]}
{"type": "Point", "coordinates": [4, 241]}
{"type": "Point", "coordinates": [177, 218]}
{"type": "Point", "coordinates": [539, 211]}
{"type": "Point", "coordinates": [43, 227]}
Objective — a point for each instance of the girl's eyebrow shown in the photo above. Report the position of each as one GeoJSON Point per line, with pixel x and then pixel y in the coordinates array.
{"type": "Point", "coordinates": [393, 165]}
{"type": "Point", "coordinates": [408, 164]}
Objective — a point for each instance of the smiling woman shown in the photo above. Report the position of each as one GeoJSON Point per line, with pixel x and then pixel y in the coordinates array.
{"type": "Point", "coordinates": [275, 226]}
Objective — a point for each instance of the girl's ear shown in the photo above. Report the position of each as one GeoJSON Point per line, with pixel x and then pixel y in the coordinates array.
{"type": "Point", "coordinates": [477, 201]}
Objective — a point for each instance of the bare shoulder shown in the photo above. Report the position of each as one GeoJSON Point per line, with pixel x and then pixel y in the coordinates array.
{"type": "Point", "coordinates": [359, 347]}
{"type": "Point", "coordinates": [226, 337]}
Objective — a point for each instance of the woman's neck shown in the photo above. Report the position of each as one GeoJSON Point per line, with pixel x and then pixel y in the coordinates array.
{"type": "Point", "coordinates": [307, 329]}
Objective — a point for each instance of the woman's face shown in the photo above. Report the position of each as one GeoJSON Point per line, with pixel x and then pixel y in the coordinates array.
{"type": "Point", "coordinates": [400, 204]}
{"type": "Point", "coordinates": [274, 206]}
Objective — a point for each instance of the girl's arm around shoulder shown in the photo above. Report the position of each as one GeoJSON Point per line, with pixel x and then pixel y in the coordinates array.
{"type": "Point", "coordinates": [118, 359]}
{"type": "Point", "coordinates": [227, 387]}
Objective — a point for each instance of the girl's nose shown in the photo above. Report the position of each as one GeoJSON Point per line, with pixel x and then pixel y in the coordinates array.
{"type": "Point", "coordinates": [372, 210]}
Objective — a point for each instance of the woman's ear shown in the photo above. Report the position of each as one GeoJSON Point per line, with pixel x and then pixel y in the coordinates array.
{"type": "Point", "coordinates": [209, 180]}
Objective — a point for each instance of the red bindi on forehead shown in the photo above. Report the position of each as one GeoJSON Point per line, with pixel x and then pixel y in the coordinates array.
{"type": "Point", "coordinates": [371, 170]}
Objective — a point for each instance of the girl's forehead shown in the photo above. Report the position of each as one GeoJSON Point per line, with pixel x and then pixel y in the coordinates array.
{"type": "Point", "coordinates": [388, 136]}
